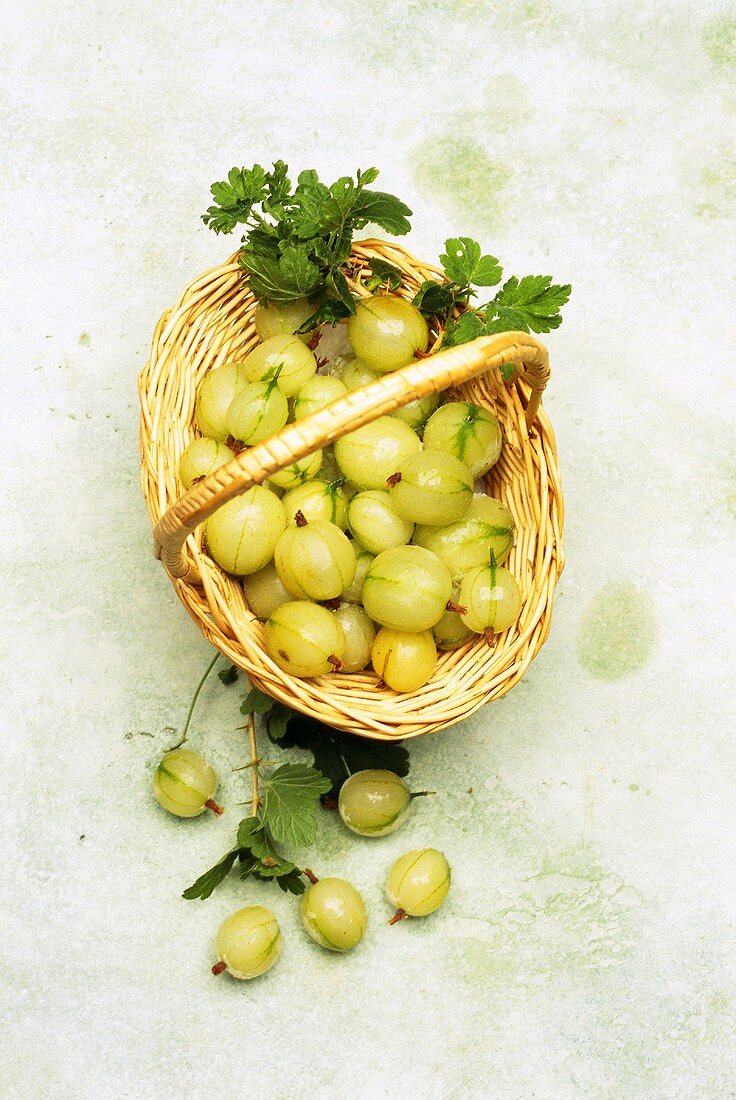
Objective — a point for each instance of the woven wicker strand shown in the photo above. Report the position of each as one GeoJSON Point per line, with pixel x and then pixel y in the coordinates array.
{"type": "Point", "coordinates": [211, 325]}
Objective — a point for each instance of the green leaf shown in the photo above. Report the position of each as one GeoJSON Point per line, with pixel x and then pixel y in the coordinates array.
{"type": "Point", "coordinates": [435, 299]}
{"type": "Point", "coordinates": [337, 755]}
{"type": "Point", "coordinates": [383, 274]}
{"type": "Point", "coordinates": [278, 182]}
{"type": "Point", "coordinates": [235, 198]}
{"type": "Point", "coordinates": [247, 830]}
{"type": "Point", "coordinates": [277, 720]}
{"type": "Point", "coordinates": [265, 277]}
{"type": "Point", "coordinates": [291, 801]}
{"type": "Point", "coordinates": [337, 282]}
{"type": "Point", "coordinates": [208, 882]}
{"type": "Point", "coordinates": [292, 883]}
{"type": "Point", "coordinates": [459, 259]}
{"type": "Point", "coordinates": [298, 270]}
{"type": "Point", "coordinates": [468, 326]}
{"type": "Point", "coordinates": [488, 272]}
{"type": "Point", "coordinates": [256, 702]}
{"type": "Point", "coordinates": [381, 209]}
{"type": "Point", "coordinates": [228, 675]}
{"type": "Point", "coordinates": [368, 176]}
{"type": "Point", "coordinates": [529, 304]}
{"type": "Point", "coordinates": [330, 311]}
{"type": "Point", "coordinates": [463, 264]}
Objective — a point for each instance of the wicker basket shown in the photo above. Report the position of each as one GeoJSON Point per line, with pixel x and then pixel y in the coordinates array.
{"type": "Point", "coordinates": [211, 325]}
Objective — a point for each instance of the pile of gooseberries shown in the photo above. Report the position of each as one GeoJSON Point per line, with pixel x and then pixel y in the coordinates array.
{"type": "Point", "coordinates": [372, 803]}
{"type": "Point", "coordinates": [377, 550]}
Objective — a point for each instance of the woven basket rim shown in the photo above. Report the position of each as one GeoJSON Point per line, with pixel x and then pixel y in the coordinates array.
{"type": "Point", "coordinates": [211, 323]}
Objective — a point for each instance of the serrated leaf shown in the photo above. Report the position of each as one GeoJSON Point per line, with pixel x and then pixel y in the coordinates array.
{"type": "Point", "coordinates": [383, 274]}
{"type": "Point", "coordinates": [488, 272]}
{"type": "Point", "coordinates": [277, 720]}
{"type": "Point", "coordinates": [248, 828]}
{"type": "Point", "coordinates": [532, 303]}
{"type": "Point", "coordinates": [228, 675]}
{"type": "Point", "coordinates": [463, 263]}
{"type": "Point", "coordinates": [460, 258]}
{"type": "Point", "coordinates": [337, 755]}
{"type": "Point", "coordinates": [256, 702]}
{"type": "Point", "coordinates": [468, 326]}
{"type": "Point", "coordinates": [381, 209]}
{"type": "Point", "coordinates": [293, 883]}
{"type": "Point", "coordinates": [298, 271]}
{"type": "Point", "coordinates": [435, 299]}
{"type": "Point", "coordinates": [211, 879]}
{"type": "Point", "coordinates": [279, 185]}
{"type": "Point", "coordinates": [292, 792]}
{"type": "Point", "coordinates": [367, 176]}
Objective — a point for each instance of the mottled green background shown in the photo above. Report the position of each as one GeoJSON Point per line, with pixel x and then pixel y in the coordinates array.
{"type": "Point", "coordinates": [587, 948]}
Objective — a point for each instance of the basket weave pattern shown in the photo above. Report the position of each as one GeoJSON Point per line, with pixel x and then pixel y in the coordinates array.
{"type": "Point", "coordinates": [211, 325]}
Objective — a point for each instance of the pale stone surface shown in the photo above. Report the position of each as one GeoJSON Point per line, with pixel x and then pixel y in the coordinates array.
{"type": "Point", "coordinates": [586, 949]}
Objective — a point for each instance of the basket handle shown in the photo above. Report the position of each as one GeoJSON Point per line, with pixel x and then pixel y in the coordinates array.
{"type": "Point", "coordinates": [447, 368]}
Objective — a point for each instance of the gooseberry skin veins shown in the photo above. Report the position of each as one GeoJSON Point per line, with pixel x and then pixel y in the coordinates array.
{"type": "Point", "coordinates": [431, 488]}
{"type": "Point", "coordinates": [184, 783]}
{"type": "Point", "coordinates": [492, 599]}
{"type": "Point", "coordinates": [200, 458]}
{"type": "Point", "coordinates": [242, 534]}
{"type": "Point", "coordinates": [487, 525]}
{"type": "Point", "coordinates": [315, 561]}
{"type": "Point", "coordinates": [368, 456]}
{"type": "Point", "coordinates": [264, 591]}
{"type": "Point", "coordinates": [469, 432]}
{"type": "Point", "coordinates": [287, 353]}
{"type": "Point", "coordinates": [359, 633]}
{"type": "Point", "coordinates": [406, 588]}
{"type": "Point", "coordinates": [419, 882]}
{"type": "Point", "coordinates": [374, 802]}
{"type": "Point", "coordinates": [385, 331]}
{"type": "Point", "coordinates": [333, 914]}
{"type": "Point", "coordinates": [214, 397]}
{"type": "Point", "coordinates": [375, 523]}
{"type": "Point", "coordinates": [249, 942]}
{"type": "Point", "coordinates": [316, 500]}
{"type": "Point", "coordinates": [301, 637]}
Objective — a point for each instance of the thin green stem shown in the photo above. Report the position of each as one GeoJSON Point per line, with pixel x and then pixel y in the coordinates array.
{"type": "Point", "coordinates": [193, 703]}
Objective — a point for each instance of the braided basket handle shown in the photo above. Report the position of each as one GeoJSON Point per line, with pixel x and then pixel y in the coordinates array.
{"type": "Point", "coordinates": [445, 369]}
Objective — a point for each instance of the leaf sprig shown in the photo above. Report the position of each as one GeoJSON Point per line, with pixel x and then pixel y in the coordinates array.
{"type": "Point", "coordinates": [531, 304]}
{"type": "Point", "coordinates": [297, 240]}
{"type": "Point", "coordinates": [285, 815]}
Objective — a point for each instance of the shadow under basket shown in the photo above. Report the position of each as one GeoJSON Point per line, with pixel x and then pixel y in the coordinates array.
{"type": "Point", "coordinates": [212, 324]}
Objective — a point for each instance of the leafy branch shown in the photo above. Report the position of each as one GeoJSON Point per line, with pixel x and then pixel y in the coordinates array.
{"type": "Point", "coordinates": [531, 304]}
{"type": "Point", "coordinates": [296, 240]}
{"type": "Point", "coordinates": [284, 802]}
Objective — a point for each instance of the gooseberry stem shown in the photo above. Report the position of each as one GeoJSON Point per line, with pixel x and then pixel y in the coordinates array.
{"type": "Point", "coordinates": [489, 636]}
{"type": "Point", "coordinates": [398, 915]}
{"type": "Point", "coordinates": [256, 800]}
{"type": "Point", "coordinates": [193, 703]}
{"type": "Point", "coordinates": [214, 806]}
{"type": "Point", "coordinates": [456, 607]}
{"type": "Point", "coordinates": [300, 518]}
{"type": "Point", "coordinates": [420, 794]}
{"type": "Point", "coordinates": [219, 967]}
{"type": "Point", "coordinates": [394, 479]}
{"type": "Point", "coordinates": [309, 873]}
{"type": "Point", "coordinates": [315, 339]}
